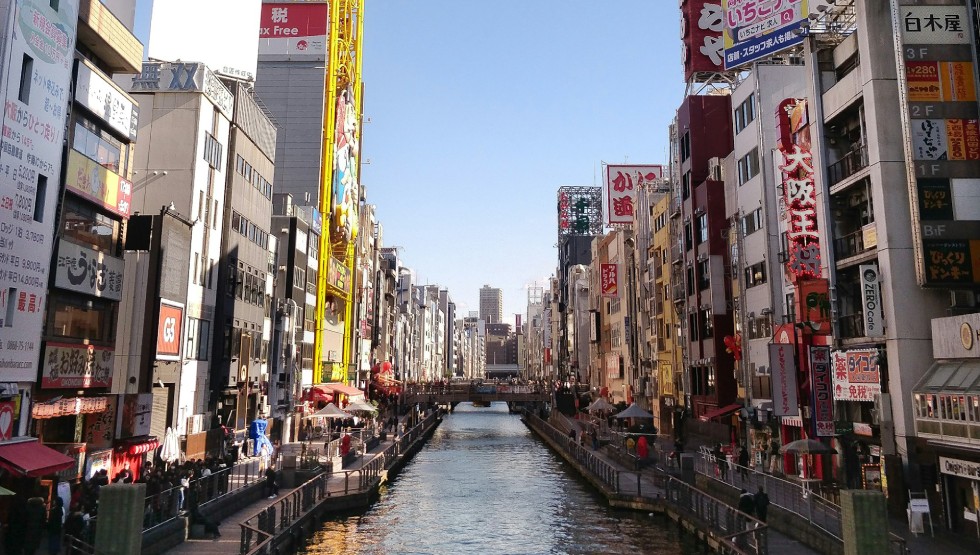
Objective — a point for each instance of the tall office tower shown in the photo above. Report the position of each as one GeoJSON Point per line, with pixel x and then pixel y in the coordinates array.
{"type": "Point", "coordinates": [491, 305]}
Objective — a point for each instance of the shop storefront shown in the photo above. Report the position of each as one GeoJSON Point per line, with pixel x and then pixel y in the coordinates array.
{"type": "Point", "coordinates": [961, 484]}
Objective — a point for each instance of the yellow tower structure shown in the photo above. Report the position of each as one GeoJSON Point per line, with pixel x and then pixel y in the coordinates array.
{"type": "Point", "coordinates": [340, 168]}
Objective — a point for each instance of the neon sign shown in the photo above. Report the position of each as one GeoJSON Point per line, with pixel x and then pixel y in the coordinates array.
{"type": "Point", "coordinates": [799, 190]}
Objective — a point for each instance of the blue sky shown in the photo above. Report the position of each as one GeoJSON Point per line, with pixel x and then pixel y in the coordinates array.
{"type": "Point", "coordinates": [480, 110]}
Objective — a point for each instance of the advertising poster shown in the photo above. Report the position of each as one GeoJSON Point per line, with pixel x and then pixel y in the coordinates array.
{"type": "Point", "coordinates": [856, 376]}
{"type": "Point", "coordinates": [346, 187]}
{"type": "Point", "coordinates": [98, 184]}
{"type": "Point", "coordinates": [929, 140]}
{"type": "Point", "coordinates": [134, 417]}
{"type": "Point", "coordinates": [76, 366]}
{"type": "Point", "coordinates": [99, 95]}
{"type": "Point", "coordinates": [622, 183]}
{"type": "Point", "coordinates": [100, 427]}
{"type": "Point", "coordinates": [294, 30]}
{"type": "Point", "coordinates": [87, 271]}
{"type": "Point", "coordinates": [782, 363]}
{"type": "Point", "coordinates": [756, 29]}
{"type": "Point", "coordinates": [38, 65]}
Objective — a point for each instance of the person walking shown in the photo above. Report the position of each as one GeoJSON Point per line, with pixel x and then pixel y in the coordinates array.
{"type": "Point", "coordinates": [761, 504]}
{"type": "Point", "coordinates": [746, 503]}
{"type": "Point", "coordinates": [56, 519]}
{"type": "Point", "coordinates": [34, 525]}
{"type": "Point", "coordinates": [743, 462]}
{"type": "Point", "coordinates": [271, 484]}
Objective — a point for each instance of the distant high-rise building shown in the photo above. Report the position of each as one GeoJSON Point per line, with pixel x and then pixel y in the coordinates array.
{"type": "Point", "coordinates": [491, 305]}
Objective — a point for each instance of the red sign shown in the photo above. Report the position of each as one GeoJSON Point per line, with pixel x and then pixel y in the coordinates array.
{"type": "Point", "coordinates": [6, 420]}
{"type": "Point", "coordinates": [293, 29]}
{"type": "Point", "coordinates": [702, 46]}
{"type": "Point", "coordinates": [813, 304]}
{"type": "Point", "coordinates": [609, 280]}
{"type": "Point", "coordinates": [169, 331]}
{"type": "Point", "coordinates": [799, 189]}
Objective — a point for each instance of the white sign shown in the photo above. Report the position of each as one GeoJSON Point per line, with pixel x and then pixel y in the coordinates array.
{"type": "Point", "coordinates": [38, 68]}
{"type": "Point", "coordinates": [856, 375]}
{"type": "Point", "coordinates": [871, 301]}
{"type": "Point", "coordinates": [182, 77]}
{"type": "Point", "coordinates": [622, 185]}
{"type": "Point", "coordinates": [87, 271]}
{"type": "Point", "coordinates": [218, 93]}
{"type": "Point", "coordinates": [99, 95]}
{"type": "Point", "coordinates": [934, 24]}
{"type": "Point", "coordinates": [961, 468]}
{"type": "Point", "coordinates": [782, 363]}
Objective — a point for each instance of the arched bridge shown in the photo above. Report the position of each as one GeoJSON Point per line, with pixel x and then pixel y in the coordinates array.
{"type": "Point", "coordinates": [453, 393]}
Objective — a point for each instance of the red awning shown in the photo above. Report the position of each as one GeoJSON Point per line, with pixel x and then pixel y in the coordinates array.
{"type": "Point", "coordinates": [718, 413]}
{"type": "Point", "coordinates": [318, 394]}
{"type": "Point", "coordinates": [341, 388]}
{"type": "Point", "coordinates": [30, 458]}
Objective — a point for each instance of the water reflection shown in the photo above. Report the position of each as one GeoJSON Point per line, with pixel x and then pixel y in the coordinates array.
{"type": "Point", "coordinates": [484, 484]}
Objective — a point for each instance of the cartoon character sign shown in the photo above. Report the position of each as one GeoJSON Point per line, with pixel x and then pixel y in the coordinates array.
{"type": "Point", "coordinates": [346, 189]}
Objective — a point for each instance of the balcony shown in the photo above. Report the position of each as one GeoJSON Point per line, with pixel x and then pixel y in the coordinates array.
{"type": "Point", "coordinates": [850, 245]}
{"type": "Point", "coordinates": [851, 326]}
{"type": "Point", "coordinates": [851, 163]}
{"type": "Point", "coordinates": [678, 293]}
{"type": "Point", "coordinates": [108, 38]}
{"type": "Point", "coordinates": [676, 255]}
{"type": "Point", "coordinates": [675, 206]}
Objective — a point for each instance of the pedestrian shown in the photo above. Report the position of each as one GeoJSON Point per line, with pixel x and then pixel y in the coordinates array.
{"type": "Point", "coordinates": [721, 462]}
{"type": "Point", "coordinates": [34, 525]}
{"type": "Point", "coordinates": [743, 462]}
{"type": "Point", "coordinates": [271, 483]}
{"type": "Point", "coordinates": [746, 503]}
{"type": "Point", "coordinates": [773, 457]}
{"type": "Point", "coordinates": [56, 519]}
{"type": "Point", "coordinates": [761, 504]}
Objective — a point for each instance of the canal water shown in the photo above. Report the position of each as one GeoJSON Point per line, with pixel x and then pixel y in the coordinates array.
{"type": "Point", "coordinates": [485, 484]}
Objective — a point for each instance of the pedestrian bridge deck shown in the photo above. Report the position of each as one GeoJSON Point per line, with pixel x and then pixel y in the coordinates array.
{"type": "Point", "coordinates": [470, 392]}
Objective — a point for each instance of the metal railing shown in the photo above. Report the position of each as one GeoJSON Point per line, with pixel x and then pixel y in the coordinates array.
{"type": "Point", "coordinates": [849, 164]}
{"type": "Point", "coordinates": [740, 533]}
{"type": "Point", "coordinates": [804, 501]}
{"type": "Point", "coordinates": [849, 245]}
{"type": "Point", "coordinates": [261, 528]}
{"type": "Point", "coordinates": [168, 504]}
{"type": "Point", "coordinates": [75, 546]}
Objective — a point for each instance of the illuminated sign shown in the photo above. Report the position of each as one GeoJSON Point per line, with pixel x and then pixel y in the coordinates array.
{"type": "Point", "coordinates": [799, 189]}
{"type": "Point", "coordinates": [856, 375]}
{"type": "Point", "coordinates": [821, 388]}
{"type": "Point", "coordinates": [702, 47]}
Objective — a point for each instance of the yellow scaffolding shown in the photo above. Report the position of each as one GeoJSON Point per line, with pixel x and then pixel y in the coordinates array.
{"type": "Point", "coordinates": [343, 72]}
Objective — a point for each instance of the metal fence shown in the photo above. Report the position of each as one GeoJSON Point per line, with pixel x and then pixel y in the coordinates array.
{"type": "Point", "coordinates": [739, 532]}
{"type": "Point", "coordinates": [800, 499]}
{"type": "Point", "coordinates": [260, 529]}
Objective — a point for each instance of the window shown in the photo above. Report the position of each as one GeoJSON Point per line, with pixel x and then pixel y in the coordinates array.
{"type": "Point", "coordinates": [99, 146]}
{"type": "Point", "coordinates": [704, 275]}
{"type": "Point", "coordinates": [40, 194]}
{"type": "Point", "coordinates": [688, 236]}
{"type": "Point", "coordinates": [707, 323]}
{"type": "Point", "coordinates": [692, 324]}
{"type": "Point", "coordinates": [748, 166]}
{"type": "Point", "coordinates": [690, 279]}
{"type": "Point", "coordinates": [78, 317]}
{"type": "Point", "coordinates": [214, 216]}
{"type": "Point", "coordinates": [26, 74]}
{"type": "Point", "coordinates": [744, 113]}
{"type": "Point", "coordinates": [686, 185]}
{"type": "Point", "coordinates": [755, 275]}
{"type": "Point", "coordinates": [751, 222]}
{"type": "Point", "coordinates": [299, 278]}
{"type": "Point", "coordinates": [686, 146]}
{"type": "Point", "coordinates": [212, 151]}
{"type": "Point", "coordinates": [702, 228]}
{"type": "Point", "coordinates": [54, 4]}
{"type": "Point", "coordinates": [198, 337]}
{"type": "Point", "coordinates": [84, 226]}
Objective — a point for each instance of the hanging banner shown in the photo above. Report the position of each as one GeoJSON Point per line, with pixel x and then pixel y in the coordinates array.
{"type": "Point", "coordinates": [609, 280]}
{"type": "Point", "coordinates": [782, 363]}
{"type": "Point", "coordinates": [871, 301]}
{"type": "Point", "coordinates": [821, 392]}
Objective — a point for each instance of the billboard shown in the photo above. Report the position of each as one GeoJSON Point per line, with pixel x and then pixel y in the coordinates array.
{"type": "Point", "coordinates": [702, 49]}
{"type": "Point", "coordinates": [856, 375]}
{"type": "Point", "coordinates": [169, 327]}
{"type": "Point", "coordinates": [346, 188]}
{"type": "Point", "coordinates": [936, 71]}
{"type": "Point", "coordinates": [294, 30]}
{"type": "Point", "coordinates": [76, 366]}
{"type": "Point", "coordinates": [622, 182]}
{"type": "Point", "coordinates": [87, 271]}
{"type": "Point", "coordinates": [37, 83]}
{"type": "Point", "coordinates": [100, 95]}
{"type": "Point", "coordinates": [757, 29]}
{"type": "Point", "coordinates": [609, 280]}
{"type": "Point", "coordinates": [782, 363]}
{"type": "Point", "coordinates": [798, 187]}
{"type": "Point", "coordinates": [579, 211]}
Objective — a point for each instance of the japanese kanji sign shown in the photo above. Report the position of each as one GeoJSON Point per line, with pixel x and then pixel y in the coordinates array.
{"type": "Point", "coordinates": [293, 30]}
{"type": "Point", "coordinates": [76, 366]}
{"type": "Point", "coordinates": [782, 362]}
{"type": "Point", "coordinates": [934, 25]}
{"type": "Point", "coordinates": [702, 50]}
{"type": "Point", "coordinates": [756, 29]}
{"type": "Point", "coordinates": [622, 183]}
{"type": "Point", "coordinates": [609, 280]}
{"type": "Point", "coordinates": [856, 376]}
{"type": "Point", "coordinates": [87, 271]}
{"type": "Point", "coordinates": [799, 190]}
{"type": "Point", "coordinates": [821, 390]}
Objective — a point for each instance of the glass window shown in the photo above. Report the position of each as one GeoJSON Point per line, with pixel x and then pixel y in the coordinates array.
{"type": "Point", "coordinates": [99, 145]}
{"type": "Point", "coordinates": [84, 225]}
{"type": "Point", "coordinates": [77, 317]}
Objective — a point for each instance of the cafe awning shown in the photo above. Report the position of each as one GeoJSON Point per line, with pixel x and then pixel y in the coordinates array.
{"type": "Point", "coordinates": [719, 412]}
{"type": "Point", "coordinates": [956, 377]}
{"type": "Point", "coordinates": [30, 458]}
{"type": "Point", "coordinates": [341, 388]}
